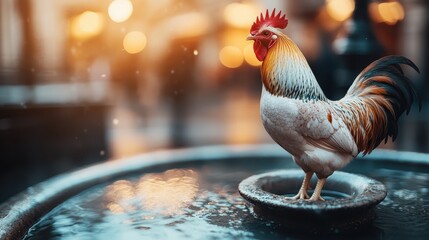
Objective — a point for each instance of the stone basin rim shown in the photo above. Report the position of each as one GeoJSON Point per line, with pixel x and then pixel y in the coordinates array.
{"type": "Point", "coordinates": [369, 192]}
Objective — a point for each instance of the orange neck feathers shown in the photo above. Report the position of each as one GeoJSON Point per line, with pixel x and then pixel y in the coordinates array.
{"type": "Point", "coordinates": [285, 72]}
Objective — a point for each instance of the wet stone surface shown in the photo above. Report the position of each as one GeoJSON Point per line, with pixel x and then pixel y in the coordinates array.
{"type": "Point", "coordinates": [202, 202]}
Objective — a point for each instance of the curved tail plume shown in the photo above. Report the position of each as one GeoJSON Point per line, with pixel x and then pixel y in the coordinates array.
{"type": "Point", "coordinates": [375, 101]}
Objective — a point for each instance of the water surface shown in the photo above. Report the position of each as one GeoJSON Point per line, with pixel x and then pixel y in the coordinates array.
{"type": "Point", "coordinates": [201, 201]}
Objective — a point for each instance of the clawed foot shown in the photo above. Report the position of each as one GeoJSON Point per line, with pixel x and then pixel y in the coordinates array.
{"type": "Point", "coordinates": [315, 198]}
{"type": "Point", "coordinates": [302, 195]}
{"type": "Point", "coordinates": [317, 191]}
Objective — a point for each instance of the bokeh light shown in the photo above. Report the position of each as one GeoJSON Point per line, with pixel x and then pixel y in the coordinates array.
{"type": "Point", "coordinates": [120, 10]}
{"type": "Point", "coordinates": [231, 57]}
{"type": "Point", "coordinates": [235, 37]}
{"type": "Point", "coordinates": [240, 15]}
{"type": "Point", "coordinates": [390, 12]}
{"type": "Point", "coordinates": [340, 10]}
{"type": "Point", "coordinates": [250, 57]}
{"type": "Point", "coordinates": [134, 42]}
{"type": "Point", "coordinates": [87, 25]}
{"type": "Point", "coordinates": [187, 25]}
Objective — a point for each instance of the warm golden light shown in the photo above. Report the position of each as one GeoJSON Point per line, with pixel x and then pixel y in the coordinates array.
{"type": "Point", "coordinates": [391, 12]}
{"type": "Point", "coordinates": [240, 15]}
{"type": "Point", "coordinates": [187, 25]}
{"type": "Point", "coordinates": [119, 196]}
{"type": "Point", "coordinates": [340, 10]}
{"type": "Point", "coordinates": [120, 10]}
{"type": "Point", "coordinates": [87, 25]}
{"type": "Point", "coordinates": [250, 57]}
{"type": "Point", "coordinates": [235, 37]}
{"type": "Point", "coordinates": [231, 57]}
{"type": "Point", "coordinates": [168, 193]}
{"type": "Point", "coordinates": [134, 42]}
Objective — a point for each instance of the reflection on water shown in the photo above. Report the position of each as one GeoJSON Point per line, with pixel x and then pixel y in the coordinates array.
{"type": "Point", "coordinates": [166, 193]}
{"type": "Point", "coordinates": [203, 203]}
{"type": "Point", "coordinates": [119, 197]}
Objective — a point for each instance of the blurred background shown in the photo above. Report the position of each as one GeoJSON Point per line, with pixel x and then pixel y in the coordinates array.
{"type": "Point", "coordinates": [85, 81]}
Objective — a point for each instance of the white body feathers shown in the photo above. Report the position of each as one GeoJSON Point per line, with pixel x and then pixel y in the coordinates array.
{"type": "Point", "coordinates": [304, 130]}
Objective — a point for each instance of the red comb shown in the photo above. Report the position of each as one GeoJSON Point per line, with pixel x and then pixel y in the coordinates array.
{"type": "Point", "coordinates": [274, 20]}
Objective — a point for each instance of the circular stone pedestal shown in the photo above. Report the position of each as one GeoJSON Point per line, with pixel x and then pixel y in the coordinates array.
{"type": "Point", "coordinates": [349, 206]}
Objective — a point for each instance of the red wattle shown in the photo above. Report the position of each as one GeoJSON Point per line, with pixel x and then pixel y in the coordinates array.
{"type": "Point", "coordinates": [260, 50]}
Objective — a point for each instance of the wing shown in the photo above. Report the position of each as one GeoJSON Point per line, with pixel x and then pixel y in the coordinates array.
{"type": "Point", "coordinates": [323, 128]}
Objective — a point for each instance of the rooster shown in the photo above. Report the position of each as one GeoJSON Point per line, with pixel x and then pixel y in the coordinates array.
{"type": "Point", "coordinates": [323, 135]}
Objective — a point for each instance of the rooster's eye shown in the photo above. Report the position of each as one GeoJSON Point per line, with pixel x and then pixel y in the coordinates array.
{"type": "Point", "coordinates": [266, 33]}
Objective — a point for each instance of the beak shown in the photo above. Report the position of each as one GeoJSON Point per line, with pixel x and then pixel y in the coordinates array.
{"type": "Point", "coordinates": [251, 37]}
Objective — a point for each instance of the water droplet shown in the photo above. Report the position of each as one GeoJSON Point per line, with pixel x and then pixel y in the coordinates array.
{"type": "Point", "coordinates": [195, 52]}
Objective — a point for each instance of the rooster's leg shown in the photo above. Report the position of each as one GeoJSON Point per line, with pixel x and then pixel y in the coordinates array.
{"type": "Point", "coordinates": [316, 194]}
{"type": "Point", "coordinates": [302, 194]}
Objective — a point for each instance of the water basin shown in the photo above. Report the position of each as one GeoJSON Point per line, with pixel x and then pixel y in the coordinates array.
{"type": "Point", "coordinates": [193, 194]}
